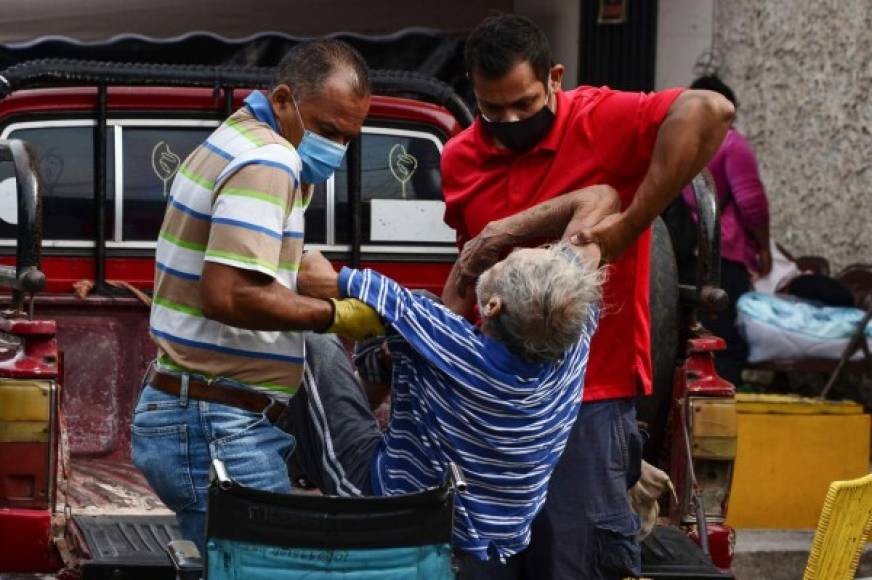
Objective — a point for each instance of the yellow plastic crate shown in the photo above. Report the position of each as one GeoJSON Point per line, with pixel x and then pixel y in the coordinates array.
{"type": "Point", "coordinates": [789, 450]}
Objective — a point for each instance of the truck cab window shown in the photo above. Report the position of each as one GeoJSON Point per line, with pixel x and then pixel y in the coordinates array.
{"type": "Point", "coordinates": [152, 157]}
{"type": "Point", "coordinates": [401, 190]}
{"type": "Point", "coordinates": [66, 165]}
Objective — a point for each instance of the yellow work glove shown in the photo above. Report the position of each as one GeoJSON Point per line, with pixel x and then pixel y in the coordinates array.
{"type": "Point", "coordinates": [355, 320]}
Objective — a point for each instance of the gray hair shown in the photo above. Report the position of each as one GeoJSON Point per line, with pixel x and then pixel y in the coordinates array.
{"type": "Point", "coordinates": [307, 66]}
{"type": "Point", "coordinates": [545, 302]}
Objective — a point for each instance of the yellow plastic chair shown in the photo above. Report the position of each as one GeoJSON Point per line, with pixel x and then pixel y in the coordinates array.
{"type": "Point", "coordinates": [842, 530]}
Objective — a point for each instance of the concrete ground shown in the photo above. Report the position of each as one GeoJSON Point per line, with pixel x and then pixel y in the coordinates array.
{"type": "Point", "coordinates": [779, 555]}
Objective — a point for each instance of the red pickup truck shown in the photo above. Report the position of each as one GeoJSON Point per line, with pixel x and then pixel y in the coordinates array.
{"type": "Point", "coordinates": [87, 153]}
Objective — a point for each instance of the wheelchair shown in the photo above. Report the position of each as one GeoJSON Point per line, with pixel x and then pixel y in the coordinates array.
{"type": "Point", "coordinates": [259, 535]}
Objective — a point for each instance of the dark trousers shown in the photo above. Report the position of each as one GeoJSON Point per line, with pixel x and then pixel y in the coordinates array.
{"type": "Point", "coordinates": [336, 433]}
{"type": "Point", "coordinates": [586, 530]}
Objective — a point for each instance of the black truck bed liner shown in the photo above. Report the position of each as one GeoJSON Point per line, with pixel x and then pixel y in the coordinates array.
{"type": "Point", "coordinates": [129, 547]}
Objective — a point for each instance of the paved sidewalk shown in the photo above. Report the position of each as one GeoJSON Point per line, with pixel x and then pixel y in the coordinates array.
{"type": "Point", "coordinates": [779, 554]}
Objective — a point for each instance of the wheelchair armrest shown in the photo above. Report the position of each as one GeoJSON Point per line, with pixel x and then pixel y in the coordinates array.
{"type": "Point", "coordinates": [454, 477]}
{"type": "Point", "coordinates": [186, 559]}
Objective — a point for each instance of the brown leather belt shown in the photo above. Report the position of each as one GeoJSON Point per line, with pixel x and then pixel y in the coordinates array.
{"type": "Point", "coordinates": [217, 393]}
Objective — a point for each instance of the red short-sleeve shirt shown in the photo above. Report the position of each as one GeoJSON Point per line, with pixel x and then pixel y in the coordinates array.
{"type": "Point", "coordinates": [599, 136]}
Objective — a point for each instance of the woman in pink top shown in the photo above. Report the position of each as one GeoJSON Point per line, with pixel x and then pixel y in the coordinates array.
{"type": "Point", "coordinates": [744, 230]}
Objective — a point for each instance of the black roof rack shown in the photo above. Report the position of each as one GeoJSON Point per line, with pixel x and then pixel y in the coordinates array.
{"type": "Point", "coordinates": [64, 73]}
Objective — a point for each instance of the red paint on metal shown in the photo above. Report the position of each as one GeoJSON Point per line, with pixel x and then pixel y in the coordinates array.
{"type": "Point", "coordinates": [678, 448]}
{"type": "Point", "coordinates": [721, 541]}
{"type": "Point", "coordinates": [393, 108]}
{"type": "Point", "coordinates": [706, 343]}
{"type": "Point", "coordinates": [26, 541]}
{"type": "Point", "coordinates": [38, 355]}
{"type": "Point", "coordinates": [28, 327]}
{"type": "Point", "coordinates": [697, 377]}
{"type": "Point", "coordinates": [106, 350]}
{"type": "Point", "coordinates": [62, 272]}
{"type": "Point", "coordinates": [24, 475]}
{"type": "Point", "coordinates": [702, 378]}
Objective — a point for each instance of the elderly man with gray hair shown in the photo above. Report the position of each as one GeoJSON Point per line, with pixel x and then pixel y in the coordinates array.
{"type": "Point", "coordinates": [498, 401]}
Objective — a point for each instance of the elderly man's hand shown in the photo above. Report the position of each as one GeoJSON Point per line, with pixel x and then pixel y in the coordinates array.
{"type": "Point", "coordinates": [316, 277]}
{"type": "Point", "coordinates": [479, 254]}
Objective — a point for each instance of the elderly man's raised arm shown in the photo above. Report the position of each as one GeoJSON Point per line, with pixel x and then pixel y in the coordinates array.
{"type": "Point", "coordinates": [446, 340]}
{"type": "Point", "coordinates": [557, 218]}
{"type": "Point", "coordinates": [431, 329]}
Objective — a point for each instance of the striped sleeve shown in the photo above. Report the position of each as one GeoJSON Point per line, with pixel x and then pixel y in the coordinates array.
{"type": "Point", "coordinates": [446, 340]}
{"type": "Point", "coordinates": [369, 359]}
{"type": "Point", "coordinates": [248, 217]}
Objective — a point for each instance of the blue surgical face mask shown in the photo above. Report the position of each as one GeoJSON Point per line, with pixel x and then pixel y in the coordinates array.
{"type": "Point", "coordinates": [321, 157]}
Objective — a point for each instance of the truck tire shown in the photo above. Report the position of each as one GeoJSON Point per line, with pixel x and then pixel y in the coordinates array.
{"type": "Point", "coordinates": [653, 411]}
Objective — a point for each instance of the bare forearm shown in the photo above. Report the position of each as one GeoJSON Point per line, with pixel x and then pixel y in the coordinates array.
{"type": "Point", "coordinates": [277, 308]}
{"type": "Point", "coordinates": [558, 217]}
{"type": "Point", "coordinates": [689, 136]}
{"type": "Point", "coordinates": [459, 303]}
{"type": "Point", "coordinates": [764, 255]}
{"type": "Point", "coordinates": [255, 302]}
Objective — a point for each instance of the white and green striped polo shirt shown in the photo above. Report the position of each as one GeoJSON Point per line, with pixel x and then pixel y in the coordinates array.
{"type": "Point", "coordinates": [236, 200]}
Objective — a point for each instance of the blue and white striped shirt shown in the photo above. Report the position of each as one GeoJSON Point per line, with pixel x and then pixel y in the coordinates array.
{"type": "Point", "coordinates": [460, 396]}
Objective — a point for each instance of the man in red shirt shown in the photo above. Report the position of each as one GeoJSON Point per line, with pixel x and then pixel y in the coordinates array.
{"type": "Point", "coordinates": [534, 142]}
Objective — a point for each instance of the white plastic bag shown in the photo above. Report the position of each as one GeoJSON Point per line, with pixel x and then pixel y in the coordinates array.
{"type": "Point", "coordinates": [783, 271]}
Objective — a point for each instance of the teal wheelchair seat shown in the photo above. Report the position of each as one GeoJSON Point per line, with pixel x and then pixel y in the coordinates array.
{"type": "Point", "coordinates": [259, 535]}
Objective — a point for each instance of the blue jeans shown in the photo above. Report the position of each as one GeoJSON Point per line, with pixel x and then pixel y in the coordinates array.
{"type": "Point", "coordinates": [175, 440]}
{"type": "Point", "coordinates": [586, 529]}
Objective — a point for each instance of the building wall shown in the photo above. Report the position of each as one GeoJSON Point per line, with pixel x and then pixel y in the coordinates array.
{"type": "Point", "coordinates": [684, 31]}
{"type": "Point", "coordinates": [560, 21]}
{"type": "Point", "coordinates": [802, 71]}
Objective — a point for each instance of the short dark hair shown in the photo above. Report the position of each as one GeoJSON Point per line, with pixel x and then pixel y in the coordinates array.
{"type": "Point", "coordinates": [307, 65]}
{"type": "Point", "coordinates": [501, 42]}
{"type": "Point", "coordinates": [714, 83]}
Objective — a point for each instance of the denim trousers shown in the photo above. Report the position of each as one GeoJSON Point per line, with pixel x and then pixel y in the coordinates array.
{"type": "Point", "coordinates": [175, 440]}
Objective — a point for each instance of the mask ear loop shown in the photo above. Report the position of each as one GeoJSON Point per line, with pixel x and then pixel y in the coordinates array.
{"type": "Point", "coordinates": [299, 116]}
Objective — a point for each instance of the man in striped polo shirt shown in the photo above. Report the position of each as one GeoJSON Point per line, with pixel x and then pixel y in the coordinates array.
{"type": "Point", "coordinates": [498, 402]}
{"type": "Point", "coordinates": [226, 315]}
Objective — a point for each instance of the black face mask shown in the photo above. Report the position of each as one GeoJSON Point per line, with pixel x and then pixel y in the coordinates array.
{"type": "Point", "coordinates": [523, 135]}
